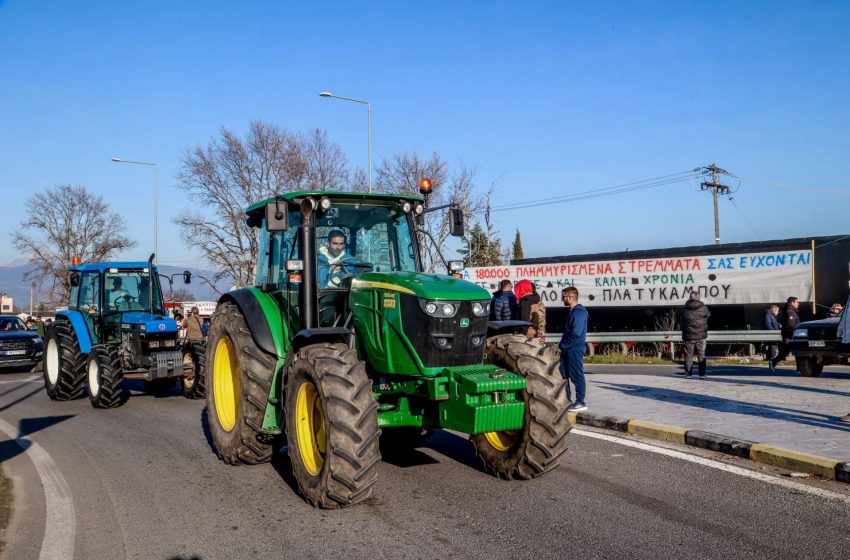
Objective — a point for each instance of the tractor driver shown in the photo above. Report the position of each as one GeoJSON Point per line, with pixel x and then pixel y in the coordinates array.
{"type": "Point", "coordinates": [334, 263]}
{"type": "Point", "coordinates": [116, 294]}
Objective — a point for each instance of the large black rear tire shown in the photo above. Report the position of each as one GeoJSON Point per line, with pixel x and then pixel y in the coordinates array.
{"type": "Point", "coordinates": [536, 448]}
{"type": "Point", "coordinates": [237, 389]}
{"type": "Point", "coordinates": [104, 376]}
{"type": "Point", "coordinates": [331, 426]}
{"type": "Point", "coordinates": [193, 381]}
{"type": "Point", "coordinates": [63, 364]}
{"type": "Point", "coordinates": [809, 367]}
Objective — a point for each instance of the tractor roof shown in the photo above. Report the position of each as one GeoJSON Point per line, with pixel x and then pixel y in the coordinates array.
{"type": "Point", "coordinates": [102, 266]}
{"type": "Point", "coordinates": [336, 195]}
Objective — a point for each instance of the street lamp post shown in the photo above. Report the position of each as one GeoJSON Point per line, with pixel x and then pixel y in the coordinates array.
{"type": "Point", "coordinates": [369, 108]}
{"type": "Point", "coordinates": [119, 160]}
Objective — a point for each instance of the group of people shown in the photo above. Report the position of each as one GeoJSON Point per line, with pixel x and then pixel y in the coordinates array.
{"type": "Point", "coordinates": [192, 326]}
{"type": "Point", "coordinates": [37, 324]}
{"type": "Point", "coordinates": [523, 303]}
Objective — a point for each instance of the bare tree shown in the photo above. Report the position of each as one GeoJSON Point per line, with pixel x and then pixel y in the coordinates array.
{"type": "Point", "coordinates": [402, 173]}
{"type": "Point", "coordinates": [62, 223]}
{"type": "Point", "coordinates": [230, 174]}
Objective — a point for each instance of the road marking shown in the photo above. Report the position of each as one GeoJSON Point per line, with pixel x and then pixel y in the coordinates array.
{"type": "Point", "coordinates": [59, 523]}
{"type": "Point", "coordinates": [770, 479]}
{"type": "Point", "coordinates": [31, 379]}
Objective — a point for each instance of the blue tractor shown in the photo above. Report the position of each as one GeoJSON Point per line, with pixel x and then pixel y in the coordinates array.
{"type": "Point", "coordinates": [115, 328]}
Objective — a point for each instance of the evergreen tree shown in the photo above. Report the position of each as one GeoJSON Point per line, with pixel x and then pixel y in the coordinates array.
{"type": "Point", "coordinates": [517, 253]}
{"type": "Point", "coordinates": [480, 249]}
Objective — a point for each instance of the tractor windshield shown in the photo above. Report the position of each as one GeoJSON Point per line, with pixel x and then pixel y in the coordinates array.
{"type": "Point", "coordinates": [130, 290]}
{"type": "Point", "coordinates": [351, 238]}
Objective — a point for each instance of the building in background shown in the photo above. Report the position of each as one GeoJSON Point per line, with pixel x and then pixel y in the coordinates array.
{"type": "Point", "coordinates": [7, 304]}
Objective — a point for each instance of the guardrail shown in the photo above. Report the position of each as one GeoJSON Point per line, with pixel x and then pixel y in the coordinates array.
{"type": "Point", "coordinates": [675, 337]}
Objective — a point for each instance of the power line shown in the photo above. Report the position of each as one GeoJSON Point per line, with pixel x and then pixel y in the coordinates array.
{"type": "Point", "coordinates": [604, 191]}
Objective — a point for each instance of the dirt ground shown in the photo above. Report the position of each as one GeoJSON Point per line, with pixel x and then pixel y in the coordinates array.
{"type": "Point", "coordinates": [5, 506]}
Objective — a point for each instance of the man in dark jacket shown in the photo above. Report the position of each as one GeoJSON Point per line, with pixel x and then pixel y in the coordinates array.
{"type": "Point", "coordinates": [505, 305]}
{"type": "Point", "coordinates": [771, 323]}
{"type": "Point", "coordinates": [789, 320]}
{"type": "Point", "coordinates": [693, 317]}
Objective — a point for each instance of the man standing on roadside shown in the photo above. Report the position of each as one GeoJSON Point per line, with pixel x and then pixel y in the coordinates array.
{"type": "Point", "coordinates": [771, 323]}
{"type": "Point", "coordinates": [193, 326]}
{"type": "Point", "coordinates": [572, 345]}
{"type": "Point", "coordinates": [504, 306]}
{"type": "Point", "coordinates": [693, 317]}
{"type": "Point", "coordinates": [789, 321]}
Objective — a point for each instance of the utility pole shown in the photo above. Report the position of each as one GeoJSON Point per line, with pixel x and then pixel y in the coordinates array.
{"type": "Point", "coordinates": [717, 189]}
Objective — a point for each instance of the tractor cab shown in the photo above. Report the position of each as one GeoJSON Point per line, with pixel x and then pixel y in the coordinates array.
{"type": "Point", "coordinates": [345, 236]}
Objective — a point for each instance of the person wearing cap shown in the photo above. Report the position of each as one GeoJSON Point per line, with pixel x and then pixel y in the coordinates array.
{"type": "Point", "coordinates": [193, 325]}
{"type": "Point", "coordinates": [693, 318]}
{"type": "Point", "coordinates": [529, 307]}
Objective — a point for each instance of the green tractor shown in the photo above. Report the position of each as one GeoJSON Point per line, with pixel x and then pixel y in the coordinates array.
{"type": "Point", "coordinates": [344, 347]}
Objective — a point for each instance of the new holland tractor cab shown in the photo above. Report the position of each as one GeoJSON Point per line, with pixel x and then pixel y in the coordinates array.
{"type": "Point", "coordinates": [344, 341]}
{"type": "Point", "coordinates": [114, 328]}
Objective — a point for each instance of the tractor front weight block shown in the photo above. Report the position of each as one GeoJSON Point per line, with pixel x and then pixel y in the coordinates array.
{"type": "Point", "coordinates": [482, 398]}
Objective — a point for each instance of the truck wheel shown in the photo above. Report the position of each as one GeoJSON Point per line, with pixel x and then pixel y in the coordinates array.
{"type": "Point", "coordinates": [104, 376]}
{"type": "Point", "coordinates": [194, 364]}
{"type": "Point", "coordinates": [536, 448]}
{"type": "Point", "coordinates": [331, 426]}
{"type": "Point", "coordinates": [809, 367]}
{"type": "Point", "coordinates": [238, 389]}
{"type": "Point", "coordinates": [64, 365]}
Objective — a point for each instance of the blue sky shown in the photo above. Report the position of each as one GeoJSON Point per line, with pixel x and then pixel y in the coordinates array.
{"type": "Point", "coordinates": [542, 99]}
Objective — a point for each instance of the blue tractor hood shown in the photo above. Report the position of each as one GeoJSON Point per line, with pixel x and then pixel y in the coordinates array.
{"type": "Point", "coordinates": [139, 320]}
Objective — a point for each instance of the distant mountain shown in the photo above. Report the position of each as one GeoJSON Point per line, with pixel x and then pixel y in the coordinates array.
{"type": "Point", "coordinates": [12, 283]}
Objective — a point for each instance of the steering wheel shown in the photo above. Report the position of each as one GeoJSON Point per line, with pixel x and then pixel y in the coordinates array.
{"type": "Point", "coordinates": [126, 297]}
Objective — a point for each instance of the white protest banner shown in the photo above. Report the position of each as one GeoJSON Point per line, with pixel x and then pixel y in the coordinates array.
{"type": "Point", "coordinates": [741, 278]}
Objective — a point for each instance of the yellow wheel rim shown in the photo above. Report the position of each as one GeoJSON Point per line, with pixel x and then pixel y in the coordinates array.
{"type": "Point", "coordinates": [310, 428]}
{"type": "Point", "coordinates": [502, 441]}
{"type": "Point", "coordinates": [226, 383]}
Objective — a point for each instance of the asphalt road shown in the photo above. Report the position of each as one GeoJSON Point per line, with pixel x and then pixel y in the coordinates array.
{"type": "Point", "coordinates": [142, 482]}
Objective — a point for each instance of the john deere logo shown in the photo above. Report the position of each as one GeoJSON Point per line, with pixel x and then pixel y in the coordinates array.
{"type": "Point", "coordinates": [464, 323]}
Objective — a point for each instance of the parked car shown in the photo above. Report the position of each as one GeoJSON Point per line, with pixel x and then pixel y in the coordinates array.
{"type": "Point", "coordinates": [820, 343]}
{"type": "Point", "coordinates": [19, 346]}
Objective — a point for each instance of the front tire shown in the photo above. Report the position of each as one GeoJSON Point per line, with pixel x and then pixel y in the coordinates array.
{"type": "Point", "coordinates": [332, 426]}
{"type": "Point", "coordinates": [536, 448]}
{"type": "Point", "coordinates": [104, 376]}
{"type": "Point", "coordinates": [809, 367]}
{"type": "Point", "coordinates": [194, 367]}
{"type": "Point", "coordinates": [63, 363]}
{"type": "Point", "coordinates": [238, 387]}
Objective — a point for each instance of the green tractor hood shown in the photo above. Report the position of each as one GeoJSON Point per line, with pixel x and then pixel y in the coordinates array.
{"type": "Point", "coordinates": [422, 285]}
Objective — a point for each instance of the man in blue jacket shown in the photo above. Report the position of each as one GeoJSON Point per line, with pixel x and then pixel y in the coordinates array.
{"type": "Point", "coordinates": [572, 347]}
{"type": "Point", "coordinates": [771, 323]}
{"type": "Point", "coordinates": [504, 306]}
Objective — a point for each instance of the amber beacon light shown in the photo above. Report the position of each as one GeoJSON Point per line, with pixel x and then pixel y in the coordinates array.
{"type": "Point", "coordinates": [425, 186]}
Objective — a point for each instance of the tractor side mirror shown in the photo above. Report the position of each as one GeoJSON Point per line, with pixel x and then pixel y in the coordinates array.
{"type": "Point", "coordinates": [187, 277]}
{"type": "Point", "coordinates": [276, 216]}
{"type": "Point", "coordinates": [75, 279]}
{"type": "Point", "coordinates": [456, 222]}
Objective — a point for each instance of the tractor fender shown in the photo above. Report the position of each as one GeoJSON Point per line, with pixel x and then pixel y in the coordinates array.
{"type": "Point", "coordinates": [321, 334]}
{"type": "Point", "coordinates": [78, 324]}
{"type": "Point", "coordinates": [255, 317]}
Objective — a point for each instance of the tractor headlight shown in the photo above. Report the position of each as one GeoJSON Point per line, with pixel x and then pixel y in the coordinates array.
{"type": "Point", "coordinates": [143, 327]}
{"type": "Point", "coordinates": [481, 308]}
{"type": "Point", "coordinates": [801, 333]}
{"type": "Point", "coordinates": [153, 344]}
{"type": "Point", "coordinates": [406, 207]}
{"type": "Point", "coordinates": [419, 208]}
{"type": "Point", "coordinates": [439, 309]}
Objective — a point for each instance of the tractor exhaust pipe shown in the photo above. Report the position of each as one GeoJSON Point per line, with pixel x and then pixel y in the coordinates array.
{"type": "Point", "coordinates": [308, 294]}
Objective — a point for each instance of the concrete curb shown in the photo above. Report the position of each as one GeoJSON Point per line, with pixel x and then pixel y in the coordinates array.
{"type": "Point", "coordinates": [824, 467]}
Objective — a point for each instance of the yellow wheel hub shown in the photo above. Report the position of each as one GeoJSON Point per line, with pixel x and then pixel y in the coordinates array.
{"type": "Point", "coordinates": [226, 383]}
{"type": "Point", "coordinates": [502, 441]}
{"type": "Point", "coordinates": [310, 428]}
